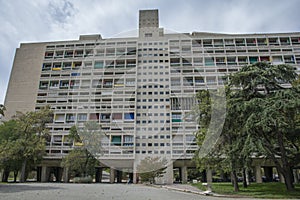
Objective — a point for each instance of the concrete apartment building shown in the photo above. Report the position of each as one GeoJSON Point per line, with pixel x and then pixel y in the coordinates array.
{"type": "Point", "coordinates": [139, 89]}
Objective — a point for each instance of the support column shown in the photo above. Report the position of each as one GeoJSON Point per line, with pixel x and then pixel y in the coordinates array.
{"type": "Point", "coordinates": [66, 175]}
{"type": "Point", "coordinates": [112, 175]}
{"type": "Point", "coordinates": [135, 178]}
{"type": "Point", "coordinates": [281, 177]}
{"type": "Point", "coordinates": [247, 178]}
{"type": "Point", "coordinates": [296, 176]}
{"type": "Point", "coordinates": [209, 179]}
{"type": "Point", "coordinates": [258, 174]}
{"type": "Point", "coordinates": [44, 175]}
{"type": "Point", "coordinates": [169, 175]}
{"type": "Point", "coordinates": [184, 175]}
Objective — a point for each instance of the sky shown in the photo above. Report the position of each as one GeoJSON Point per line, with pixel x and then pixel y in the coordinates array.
{"type": "Point", "coordinates": [50, 20]}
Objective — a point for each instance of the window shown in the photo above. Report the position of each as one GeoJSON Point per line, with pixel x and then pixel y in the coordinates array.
{"type": "Point", "coordinates": [98, 64]}
{"type": "Point", "coordinates": [81, 117]}
{"type": "Point", "coordinates": [117, 116]}
{"type": "Point", "coordinates": [209, 61]}
{"type": "Point", "coordinates": [128, 140]}
{"type": "Point", "coordinates": [116, 140]}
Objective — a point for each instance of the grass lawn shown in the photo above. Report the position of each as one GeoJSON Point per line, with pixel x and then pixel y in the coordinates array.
{"type": "Point", "coordinates": [256, 190]}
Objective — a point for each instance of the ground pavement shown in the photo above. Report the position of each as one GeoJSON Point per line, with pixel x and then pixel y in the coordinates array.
{"type": "Point", "coordinates": [55, 191]}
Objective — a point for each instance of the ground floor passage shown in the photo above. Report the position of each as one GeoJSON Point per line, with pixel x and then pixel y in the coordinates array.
{"type": "Point", "coordinates": [179, 171]}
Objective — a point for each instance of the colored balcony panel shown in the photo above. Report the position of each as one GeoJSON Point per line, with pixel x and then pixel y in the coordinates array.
{"type": "Point", "coordinates": [117, 116]}
{"type": "Point", "coordinates": [99, 65]}
{"type": "Point", "coordinates": [128, 116]}
{"type": "Point", "coordinates": [116, 140]}
{"type": "Point", "coordinates": [94, 116]}
{"type": "Point", "coordinates": [253, 60]}
{"type": "Point", "coordinates": [209, 61]}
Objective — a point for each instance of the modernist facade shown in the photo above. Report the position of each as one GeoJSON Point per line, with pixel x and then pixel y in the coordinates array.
{"type": "Point", "coordinates": [139, 89]}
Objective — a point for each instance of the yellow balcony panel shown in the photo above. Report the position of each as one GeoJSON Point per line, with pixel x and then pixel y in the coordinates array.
{"type": "Point", "coordinates": [56, 68]}
{"type": "Point", "coordinates": [78, 144]}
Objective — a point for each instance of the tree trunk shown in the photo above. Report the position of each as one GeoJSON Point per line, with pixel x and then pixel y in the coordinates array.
{"type": "Point", "coordinates": [86, 162]}
{"type": "Point", "coordinates": [23, 172]}
{"type": "Point", "coordinates": [15, 176]}
{"type": "Point", "coordinates": [235, 181]}
{"type": "Point", "coordinates": [5, 175]}
{"type": "Point", "coordinates": [245, 185]}
{"type": "Point", "coordinates": [287, 173]}
{"type": "Point", "coordinates": [286, 169]}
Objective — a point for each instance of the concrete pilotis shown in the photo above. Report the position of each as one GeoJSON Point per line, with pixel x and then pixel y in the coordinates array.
{"type": "Point", "coordinates": [135, 178]}
{"type": "Point", "coordinates": [184, 174]}
{"type": "Point", "coordinates": [168, 177]}
{"type": "Point", "coordinates": [66, 175]}
{"type": "Point", "coordinates": [112, 175]}
{"type": "Point", "coordinates": [45, 174]}
{"type": "Point", "coordinates": [258, 176]}
{"type": "Point", "coordinates": [296, 176]}
{"type": "Point", "coordinates": [209, 179]}
{"type": "Point", "coordinates": [281, 177]}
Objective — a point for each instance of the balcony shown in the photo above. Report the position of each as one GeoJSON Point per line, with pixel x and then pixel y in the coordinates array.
{"type": "Point", "coordinates": [285, 41]}
{"type": "Point", "coordinates": [273, 41]}
{"type": "Point", "coordinates": [240, 42]}
{"type": "Point", "coordinates": [251, 42]}
{"type": "Point", "coordinates": [49, 55]}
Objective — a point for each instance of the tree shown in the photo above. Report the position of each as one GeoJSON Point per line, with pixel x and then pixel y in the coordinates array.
{"type": "Point", "coordinates": [31, 141]}
{"type": "Point", "coordinates": [2, 109]}
{"type": "Point", "coordinates": [262, 118]}
{"type": "Point", "coordinates": [151, 167]}
{"type": "Point", "coordinates": [270, 106]}
{"type": "Point", "coordinates": [22, 140]}
{"type": "Point", "coordinates": [81, 160]}
{"type": "Point", "coordinates": [9, 158]}
{"type": "Point", "coordinates": [225, 151]}
{"type": "Point", "coordinates": [80, 163]}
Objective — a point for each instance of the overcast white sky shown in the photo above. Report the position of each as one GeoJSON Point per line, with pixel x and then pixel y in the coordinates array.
{"type": "Point", "coordinates": [47, 20]}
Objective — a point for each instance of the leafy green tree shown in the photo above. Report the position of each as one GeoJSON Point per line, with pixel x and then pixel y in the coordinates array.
{"type": "Point", "coordinates": [81, 160]}
{"type": "Point", "coordinates": [224, 151]}
{"type": "Point", "coordinates": [9, 158]}
{"type": "Point", "coordinates": [92, 138]}
{"type": "Point", "coordinates": [2, 109]}
{"type": "Point", "coordinates": [262, 118]}
{"type": "Point", "coordinates": [151, 167]}
{"type": "Point", "coordinates": [33, 131]}
{"type": "Point", "coordinates": [22, 143]}
{"type": "Point", "coordinates": [270, 106]}
{"type": "Point", "coordinates": [80, 163]}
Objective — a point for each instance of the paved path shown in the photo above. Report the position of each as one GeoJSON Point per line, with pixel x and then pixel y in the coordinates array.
{"type": "Point", "coordinates": [57, 191]}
